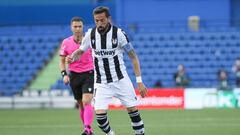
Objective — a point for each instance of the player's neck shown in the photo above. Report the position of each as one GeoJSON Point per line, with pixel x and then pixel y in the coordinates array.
{"type": "Point", "coordinates": [77, 39]}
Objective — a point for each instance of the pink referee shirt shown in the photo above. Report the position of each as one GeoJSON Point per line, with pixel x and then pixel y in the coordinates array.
{"type": "Point", "coordinates": [85, 63]}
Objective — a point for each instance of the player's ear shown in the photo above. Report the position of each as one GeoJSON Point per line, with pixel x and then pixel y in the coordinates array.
{"type": "Point", "coordinates": [110, 20]}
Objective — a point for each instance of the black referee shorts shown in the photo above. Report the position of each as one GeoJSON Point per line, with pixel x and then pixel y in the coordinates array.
{"type": "Point", "coordinates": [81, 83]}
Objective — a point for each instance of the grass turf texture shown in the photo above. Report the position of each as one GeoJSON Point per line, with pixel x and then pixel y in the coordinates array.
{"type": "Point", "coordinates": [157, 122]}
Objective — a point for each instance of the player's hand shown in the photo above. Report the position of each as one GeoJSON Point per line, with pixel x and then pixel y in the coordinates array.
{"type": "Point", "coordinates": [142, 89]}
{"type": "Point", "coordinates": [66, 79]}
{"type": "Point", "coordinates": [69, 59]}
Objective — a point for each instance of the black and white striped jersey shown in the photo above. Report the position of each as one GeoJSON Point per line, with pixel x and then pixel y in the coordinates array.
{"type": "Point", "coordinates": [107, 51]}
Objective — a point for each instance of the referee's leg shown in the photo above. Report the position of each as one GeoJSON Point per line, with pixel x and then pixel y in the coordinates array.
{"type": "Point", "coordinates": [87, 95]}
{"type": "Point", "coordinates": [88, 114]}
{"type": "Point", "coordinates": [84, 101]}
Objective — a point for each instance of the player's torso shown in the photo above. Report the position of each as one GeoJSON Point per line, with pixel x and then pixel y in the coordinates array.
{"type": "Point", "coordinates": [108, 57]}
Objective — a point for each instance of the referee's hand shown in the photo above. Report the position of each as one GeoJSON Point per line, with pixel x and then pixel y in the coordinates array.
{"type": "Point", "coordinates": [66, 79]}
{"type": "Point", "coordinates": [142, 89]}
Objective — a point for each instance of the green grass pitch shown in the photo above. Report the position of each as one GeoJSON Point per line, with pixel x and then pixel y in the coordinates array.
{"type": "Point", "coordinates": [157, 122]}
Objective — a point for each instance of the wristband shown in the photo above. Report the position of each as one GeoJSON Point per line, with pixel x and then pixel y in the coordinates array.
{"type": "Point", "coordinates": [63, 73]}
{"type": "Point", "coordinates": [139, 79]}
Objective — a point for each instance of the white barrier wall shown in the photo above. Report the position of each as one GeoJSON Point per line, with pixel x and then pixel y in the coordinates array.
{"type": "Point", "coordinates": [34, 99]}
{"type": "Point", "coordinates": [198, 98]}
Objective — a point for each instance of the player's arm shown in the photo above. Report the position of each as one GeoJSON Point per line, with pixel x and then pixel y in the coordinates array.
{"type": "Point", "coordinates": [74, 56]}
{"type": "Point", "coordinates": [136, 67]}
{"type": "Point", "coordinates": [128, 48]}
{"type": "Point", "coordinates": [133, 56]}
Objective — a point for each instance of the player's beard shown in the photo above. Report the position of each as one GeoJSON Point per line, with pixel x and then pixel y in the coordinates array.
{"type": "Point", "coordinates": [102, 29]}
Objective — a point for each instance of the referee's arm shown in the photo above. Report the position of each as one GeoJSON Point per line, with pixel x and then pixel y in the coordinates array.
{"type": "Point", "coordinates": [62, 62]}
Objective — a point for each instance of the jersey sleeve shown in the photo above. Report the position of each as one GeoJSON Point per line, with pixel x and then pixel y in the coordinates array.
{"type": "Point", "coordinates": [122, 38]}
{"type": "Point", "coordinates": [62, 51]}
{"type": "Point", "coordinates": [86, 41]}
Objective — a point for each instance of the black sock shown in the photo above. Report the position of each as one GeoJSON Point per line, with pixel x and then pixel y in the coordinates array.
{"type": "Point", "coordinates": [137, 123]}
{"type": "Point", "coordinates": [103, 122]}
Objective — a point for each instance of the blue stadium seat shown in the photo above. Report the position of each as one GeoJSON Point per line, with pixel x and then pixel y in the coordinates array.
{"type": "Point", "coordinates": [202, 53]}
{"type": "Point", "coordinates": [27, 50]}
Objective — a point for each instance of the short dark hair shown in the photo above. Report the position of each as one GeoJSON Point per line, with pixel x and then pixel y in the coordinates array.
{"type": "Point", "coordinates": [76, 19]}
{"type": "Point", "coordinates": [101, 9]}
{"type": "Point", "coordinates": [220, 71]}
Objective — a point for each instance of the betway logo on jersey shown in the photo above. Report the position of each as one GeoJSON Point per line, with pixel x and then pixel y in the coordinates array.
{"type": "Point", "coordinates": [104, 52]}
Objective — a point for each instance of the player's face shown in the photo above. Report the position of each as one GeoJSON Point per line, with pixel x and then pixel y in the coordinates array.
{"type": "Point", "coordinates": [101, 21]}
{"type": "Point", "coordinates": [77, 28]}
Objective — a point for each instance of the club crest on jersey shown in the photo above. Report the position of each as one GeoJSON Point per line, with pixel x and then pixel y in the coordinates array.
{"type": "Point", "coordinates": [114, 40]}
{"type": "Point", "coordinates": [89, 89]}
{"type": "Point", "coordinates": [93, 41]}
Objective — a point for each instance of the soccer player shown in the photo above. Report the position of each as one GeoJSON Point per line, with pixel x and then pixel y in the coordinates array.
{"type": "Point", "coordinates": [81, 74]}
{"type": "Point", "coordinates": [108, 43]}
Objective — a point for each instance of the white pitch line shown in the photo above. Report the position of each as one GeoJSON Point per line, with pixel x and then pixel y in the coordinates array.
{"type": "Point", "coordinates": [40, 126]}
{"type": "Point", "coordinates": [126, 125]}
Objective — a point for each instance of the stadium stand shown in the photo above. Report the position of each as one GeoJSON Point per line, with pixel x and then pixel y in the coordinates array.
{"type": "Point", "coordinates": [23, 55]}
{"type": "Point", "coordinates": [203, 54]}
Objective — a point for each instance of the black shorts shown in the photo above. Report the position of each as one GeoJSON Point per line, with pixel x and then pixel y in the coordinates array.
{"type": "Point", "coordinates": [81, 83]}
